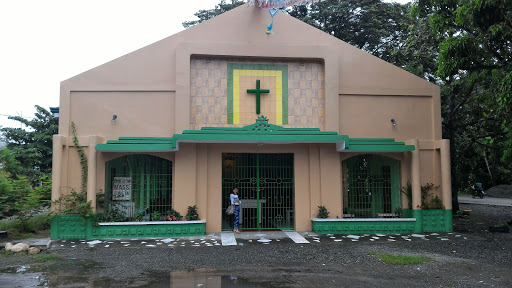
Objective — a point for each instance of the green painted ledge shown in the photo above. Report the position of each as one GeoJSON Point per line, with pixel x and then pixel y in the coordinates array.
{"type": "Point", "coordinates": [363, 226]}
{"type": "Point", "coordinates": [432, 220]}
{"type": "Point", "coordinates": [73, 227]}
{"type": "Point", "coordinates": [416, 221]}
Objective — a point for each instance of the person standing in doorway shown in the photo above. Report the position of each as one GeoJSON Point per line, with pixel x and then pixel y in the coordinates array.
{"type": "Point", "coordinates": [235, 201]}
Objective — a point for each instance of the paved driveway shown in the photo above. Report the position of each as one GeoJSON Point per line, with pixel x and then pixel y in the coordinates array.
{"type": "Point", "coordinates": [486, 201]}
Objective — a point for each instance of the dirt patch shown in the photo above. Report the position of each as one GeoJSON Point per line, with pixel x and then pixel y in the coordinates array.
{"type": "Point", "coordinates": [480, 218]}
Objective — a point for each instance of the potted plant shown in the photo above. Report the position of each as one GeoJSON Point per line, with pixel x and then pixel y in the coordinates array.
{"type": "Point", "coordinates": [155, 216]}
{"type": "Point", "coordinates": [192, 213]}
{"type": "Point", "coordinates": [173, 215]}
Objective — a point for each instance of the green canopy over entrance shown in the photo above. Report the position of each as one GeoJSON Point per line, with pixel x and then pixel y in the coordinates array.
{"type": "Point", "coordinates": [259, 132]}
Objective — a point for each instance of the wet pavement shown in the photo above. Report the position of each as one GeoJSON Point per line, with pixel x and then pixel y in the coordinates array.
{"type": "Point", "coordinates": [76, 273]}
{"type": "Point", "coordinates": [288, 259]}
{"type": "Point", "coordinates": [485, 201]}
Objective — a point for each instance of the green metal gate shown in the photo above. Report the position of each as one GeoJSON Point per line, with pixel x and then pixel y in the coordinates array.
{"type": "Point", "coordinates": [148, 185]}
{"type": "Point", "coordinates": [371, 187]}
{"type": "Point", "coordinates": [266, 189]}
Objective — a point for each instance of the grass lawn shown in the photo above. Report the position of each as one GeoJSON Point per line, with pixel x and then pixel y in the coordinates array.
{"type": "Point", "coordinates": [37, 226]}
{"type": "Point", "coordinates": [400, 259]}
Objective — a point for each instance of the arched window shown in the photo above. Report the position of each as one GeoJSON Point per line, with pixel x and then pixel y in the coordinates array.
{"type": "Point", "coordinates": [371, 187]}
{"type": "Point", "coordinates": [137, 186]}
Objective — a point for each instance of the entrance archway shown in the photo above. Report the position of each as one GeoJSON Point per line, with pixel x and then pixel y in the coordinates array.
{"type": "Point", "coordinates": [266, 189]}
{"type": "Point", "coordinates": [371, 187]}
{"type": "Point", "coordinates": [138, 186]}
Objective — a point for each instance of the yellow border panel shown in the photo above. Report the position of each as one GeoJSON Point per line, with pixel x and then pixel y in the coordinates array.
{"type": "Point", "coordinates": [279, 98]}
{"type": "Point", "coordinates": [236, 96]}
{"type": "Point", "coordinates": [257, 73]}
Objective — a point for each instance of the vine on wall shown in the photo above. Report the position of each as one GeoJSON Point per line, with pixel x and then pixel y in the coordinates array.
{"type": "Point", "coordinates": [83, 159]}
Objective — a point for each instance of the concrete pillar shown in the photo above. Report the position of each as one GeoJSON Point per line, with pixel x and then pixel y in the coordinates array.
{"type": "Point", "coordinates": [446, 176]}
{"type": "Point", "coordinates": [314, 179]}
{"type": "Point", "coordinates": [330, 180]}
{"type": "Point", "coordinates": [184, 186]}
{"type": "Point", "coordinates": [416, 186]}
{"type": "Point", "coordinates": [91, 172]}
{"type": "Point", "coordinates": [202, 181]}
{"type": "Point", "coordinates": [58, 141]}
{"type": "Point", "coordinates": [415, 176]}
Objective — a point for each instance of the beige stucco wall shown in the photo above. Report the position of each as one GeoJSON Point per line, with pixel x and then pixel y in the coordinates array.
{"type": "Point", "coordinates": [139, 113]}
{"type": "Point", "coordinates": [363, 115]}
{"type": "Point", "coordinates": [150, 91]}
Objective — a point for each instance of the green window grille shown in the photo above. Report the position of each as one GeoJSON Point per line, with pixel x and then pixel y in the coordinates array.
{"type": "Point", "coordinates": [138, 186]}
{"type": "Point", "coordinates": [266, 189]}
{"type": "Point", "coordinates": [371, 187]}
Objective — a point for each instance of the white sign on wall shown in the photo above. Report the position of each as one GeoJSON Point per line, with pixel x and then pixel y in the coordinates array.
{"type": "Point", "coordinates": [122, 188]}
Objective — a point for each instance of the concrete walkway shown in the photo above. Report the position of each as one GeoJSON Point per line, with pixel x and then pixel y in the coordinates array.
{"type": "Point", "coordinates": [486, 201]}
{"type": "Point", "coordinates": [255, 238]}
{"type": "Point", "coordinates": [41, 243]}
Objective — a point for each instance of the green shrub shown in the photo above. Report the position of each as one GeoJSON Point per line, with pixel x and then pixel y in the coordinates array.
{"type": "Point", "coordinates": [17, 229]}
{"type": "Point", "coordinates": [192, 213]}
{"type": "Point", "coordinates": [407, 190]}
{"type": "Point", "coordinates": [156, 216]}
{"type": "Point", "coordinates": [113, 214]}
{"type": "Point", "coordinates": [173, 215]}
{"type": "Point", "coordinates": [74, 203]}
{"type": "Point", "coordinates": [434, 203]}
{"type": "Point", "coordinates": [322, 212]}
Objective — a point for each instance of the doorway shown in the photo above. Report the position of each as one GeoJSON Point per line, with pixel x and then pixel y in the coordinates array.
{"type": "Point", "coordinates": [266, 189]}
{"type": "Point", "coordinates": [371, 187]}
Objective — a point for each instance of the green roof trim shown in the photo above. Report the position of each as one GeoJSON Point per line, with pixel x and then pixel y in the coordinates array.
{"type": "Point", "coordinates": [378, 145]}
{"type": "Point", "coordinates": [259, 132]}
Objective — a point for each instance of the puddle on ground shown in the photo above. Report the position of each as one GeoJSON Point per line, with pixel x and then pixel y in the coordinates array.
{"type": "Point", "coordinates": [82, 273]}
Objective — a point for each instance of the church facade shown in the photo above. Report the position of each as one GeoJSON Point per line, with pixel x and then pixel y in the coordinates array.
{"type": "Point", "coordinates": [295, 120]}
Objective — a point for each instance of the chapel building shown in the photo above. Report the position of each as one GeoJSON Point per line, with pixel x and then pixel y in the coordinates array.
{"type": "Point", "coordinates": [296, 120]}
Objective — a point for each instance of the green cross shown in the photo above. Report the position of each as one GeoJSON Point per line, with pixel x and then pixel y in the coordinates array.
{"type": "Point", "coordinates": [258, 91]}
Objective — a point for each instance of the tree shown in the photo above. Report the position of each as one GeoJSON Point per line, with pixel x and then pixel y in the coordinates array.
{"type": "Point", "coordinates": [204, 15]}
{"type": "Point", "coordinates": [377, 27]}
{"type": "Point", "coordinates": [474, 65]}
{"type": "Point", "coordinates": [32, 147]}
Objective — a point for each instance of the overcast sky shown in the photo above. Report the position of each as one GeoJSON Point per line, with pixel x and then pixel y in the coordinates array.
{"type": "Point", "coordinates": [46, 42]}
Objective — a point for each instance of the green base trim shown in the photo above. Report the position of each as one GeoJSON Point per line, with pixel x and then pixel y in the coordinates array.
{"type": "Point", "coordinates": [437, 221]}
{"type": "Point", "coordinates": [424, 221]}
{"type": "Point", "coordinates": [72, 227]}
{"type": "Point", "coordinates": [433, 220]}
{"type": "Point", "coordinates": [68, 227]}
{"type": "Point", "coordinates": [418, 227]}
{"type": "Point", "coordinates": [362, 227]}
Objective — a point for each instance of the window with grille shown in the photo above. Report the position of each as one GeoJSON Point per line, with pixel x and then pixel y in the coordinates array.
{"type": "Point", "coordinates": [371, 187]}
{"type": "Point", "coordinates": [137, 186]}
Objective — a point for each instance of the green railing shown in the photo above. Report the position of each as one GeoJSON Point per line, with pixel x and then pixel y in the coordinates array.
{"type": "Point", "coordinates": [73, 227]}
{"type": "Point", "coordinates": [138, 185]}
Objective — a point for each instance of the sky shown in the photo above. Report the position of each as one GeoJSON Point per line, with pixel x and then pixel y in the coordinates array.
{"type": "Point", "coordinates": [46, 42]}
